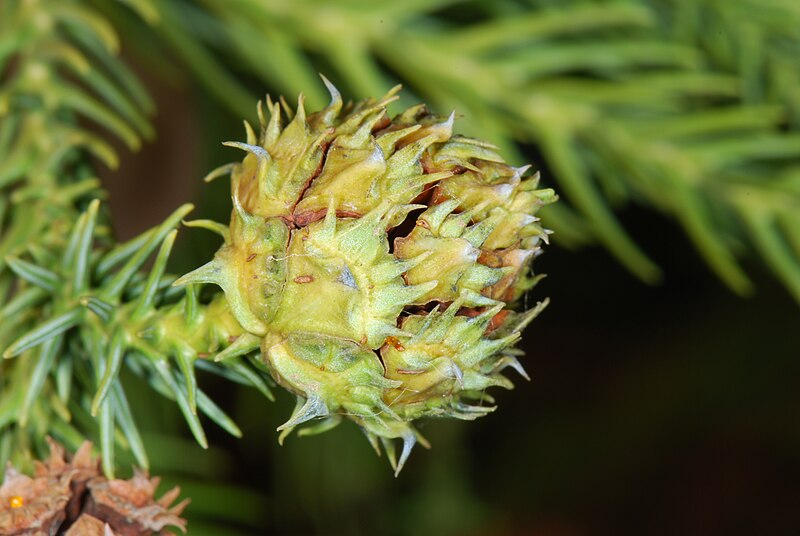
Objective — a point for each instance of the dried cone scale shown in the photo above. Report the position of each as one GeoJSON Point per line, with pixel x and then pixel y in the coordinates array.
{"type": "Point", "coordinates": [73, 498]}
{"type": "Point", "coordinates": [377, 262]}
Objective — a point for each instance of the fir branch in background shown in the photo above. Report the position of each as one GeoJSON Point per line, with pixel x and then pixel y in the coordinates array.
{"type": "Point", "coordinates": [49, 49]}
{"type": "Point", "coordinates": [689, 108]}
{"type": "Point", "coordinates": [77, 307]}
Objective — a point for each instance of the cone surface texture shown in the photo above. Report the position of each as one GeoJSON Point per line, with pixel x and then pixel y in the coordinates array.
{"type": "Point", "coordinates": [377, 262]}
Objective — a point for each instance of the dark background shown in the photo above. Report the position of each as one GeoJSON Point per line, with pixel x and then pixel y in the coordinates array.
{"type": "Point", "coordinates": [668, 409]}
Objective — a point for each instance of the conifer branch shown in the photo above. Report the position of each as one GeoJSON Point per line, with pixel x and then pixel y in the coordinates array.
{"type": "Point", "coordinates": [687, 108]}
{"type": "Point", "coordinates": [77, 308]}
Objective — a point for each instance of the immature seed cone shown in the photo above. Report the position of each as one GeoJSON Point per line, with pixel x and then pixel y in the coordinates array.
{"type": "Point", "coordinates": [74, 498]}
{"type": "Point", "coordinates": [377, 259]}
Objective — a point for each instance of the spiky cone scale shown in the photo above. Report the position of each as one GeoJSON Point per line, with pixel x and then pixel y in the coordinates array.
{"type": "Point", "coordinates": [70, 496]}
{"type": "Point", "coordinates": [376, 259]}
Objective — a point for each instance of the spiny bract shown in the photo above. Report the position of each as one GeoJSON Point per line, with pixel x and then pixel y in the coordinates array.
{"type": "Point", "coordinates": [374, 260]}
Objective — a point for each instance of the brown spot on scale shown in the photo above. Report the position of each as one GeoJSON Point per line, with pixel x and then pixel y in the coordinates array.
{"type": "Point", "coordinates": [438, 195]}
{"type": "Point", "coordinates": [203, 355]}
{"type": "Point", "coordinates": [505, 289]}
{"type": "Point", "coordinates": [288, 221]}
{"type": "Point", "coordinates": [305, 218]}
{"type": "Point", "coordinates": [408, 371]}
{"type": "Point", "coordinates": [497, 320]}
{"type": "Point", "coordinates": [395, 342]}
{"type": "Point", "coordinates": [300, 279]}
{"type": "Point", "coordinates": [382, 123]}
{"type": "Point", "coordinates": [250, 257]}
{"type": "Point", "coordinates": [428, 166]}
{"type": "Point", "coordinates": [422, 223]}
{"type": "Point", "coordinates": [232, 338]}
{"type": "Point", "coordinates": [471, 312]}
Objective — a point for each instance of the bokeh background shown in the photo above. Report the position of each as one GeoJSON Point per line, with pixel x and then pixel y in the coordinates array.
{"type": "Point", "coordinates": [665, 373]}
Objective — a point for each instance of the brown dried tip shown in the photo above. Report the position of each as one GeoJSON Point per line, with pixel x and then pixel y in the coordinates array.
{"type": "Point", "coordinates": [129, 506]}
{"type": "Point", "coordinates": [72, 497]}
{"type": "Point", "coordinates": [87, 525]}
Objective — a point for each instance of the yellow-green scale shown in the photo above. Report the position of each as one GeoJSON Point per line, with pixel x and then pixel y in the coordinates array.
{"type": "Point", "coordinates": [323, 293]}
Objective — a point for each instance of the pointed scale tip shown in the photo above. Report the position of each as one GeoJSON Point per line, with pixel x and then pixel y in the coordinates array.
{"type": "Point", "coordinates": [450, 121]}
{"type": "Point", "coordinates": [336, 97]}
{"type": "Point", "coordinates": [394, 91]}
{"type": "Point", "coordinates": [208, 273]}
{"type": "Point", "coordinates": [312, 408]}
{"type": "Point", "coordinates": [209, 225]}
{"type": "Point", "coordinates": [300, 114]}
{"type": "Point", "coordinates": [529, 315]}
{"type": "Point", "coordinates": [256, 150]}
{"type": "Point", "coordinates": [250, 134]}
{"type": "Point", "coordinates": [221, 171]}
{"type": "Point", "coordinates": [409, 440]}
{"type": "Point", "coordinates": [520, 171]}
{"type": "Point", "coordinates": [512, 362]}
{"type": "Point", "coordinates": [262, 119]}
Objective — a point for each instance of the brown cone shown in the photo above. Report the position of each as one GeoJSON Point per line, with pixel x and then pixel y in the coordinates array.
{"type": "Point", "coordinates": [74, 497]}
